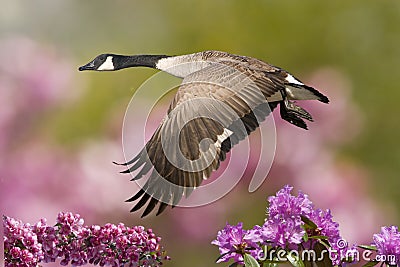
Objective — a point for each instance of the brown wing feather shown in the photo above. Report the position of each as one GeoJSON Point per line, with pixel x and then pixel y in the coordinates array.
{"type": "Point", "coordinates": [219, 100]}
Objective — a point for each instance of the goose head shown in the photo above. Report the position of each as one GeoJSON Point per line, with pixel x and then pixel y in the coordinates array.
{"type": "Point", "coordinates": [103, 62]}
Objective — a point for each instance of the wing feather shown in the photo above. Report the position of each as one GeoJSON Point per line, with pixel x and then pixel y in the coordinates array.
{"type": "Point", "coordinates": [213, 110]}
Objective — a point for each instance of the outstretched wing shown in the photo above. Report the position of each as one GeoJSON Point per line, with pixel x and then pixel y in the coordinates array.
{"type": "Point", "coordinates": [213, 110]}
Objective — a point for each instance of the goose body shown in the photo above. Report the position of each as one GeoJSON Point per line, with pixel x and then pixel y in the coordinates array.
{"type": "Point", "coordinates": [221, 100]}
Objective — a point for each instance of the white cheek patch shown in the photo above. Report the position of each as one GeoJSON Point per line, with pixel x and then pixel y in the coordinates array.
{"type": "Point", "coordinates": [107, 65]}
{"type": "Point", "coordinates": [291, 79]}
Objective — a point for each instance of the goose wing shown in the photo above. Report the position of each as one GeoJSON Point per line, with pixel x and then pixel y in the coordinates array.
{"type": "Point", "coordinates": [213, 109]}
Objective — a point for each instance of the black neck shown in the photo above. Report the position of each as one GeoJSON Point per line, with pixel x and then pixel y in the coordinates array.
{"type": "Point", "coordinates": [122, 62]}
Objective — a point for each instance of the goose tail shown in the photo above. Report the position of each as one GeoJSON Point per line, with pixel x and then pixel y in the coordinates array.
{"type": "Point", "coordinates": [296, 90]}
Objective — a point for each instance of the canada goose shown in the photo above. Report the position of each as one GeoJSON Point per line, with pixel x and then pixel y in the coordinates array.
{"type": "Point", "coordinates": [248, 88]}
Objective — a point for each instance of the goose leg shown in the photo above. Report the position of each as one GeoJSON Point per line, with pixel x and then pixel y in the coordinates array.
{"type": "Point", "coordinates": [293, 113]}
{"type": "Point", "coordinates": [299, 111]}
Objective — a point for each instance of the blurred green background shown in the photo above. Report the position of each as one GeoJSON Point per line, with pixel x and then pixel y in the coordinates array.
{"type": "Point", "coordinates": [360, 39]}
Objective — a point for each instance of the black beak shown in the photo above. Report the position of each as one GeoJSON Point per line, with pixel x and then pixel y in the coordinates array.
{"type": "Point", "coordinates": [89, 66]}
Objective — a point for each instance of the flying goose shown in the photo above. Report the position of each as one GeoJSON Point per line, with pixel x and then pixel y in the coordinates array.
{"type": "Point", "coordinates": [221, 100]}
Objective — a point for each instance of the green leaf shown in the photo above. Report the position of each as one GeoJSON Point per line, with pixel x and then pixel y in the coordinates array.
{"type": "Point", "coordinates": [308, 224]}
{"type": "Point", "coordinates": [368, 247]}
{"type": "Point", "coordinates": [370, 264]}
{"type": "Point", "coordinates": [305, 237]}
{"type": "Point", "coordinates": [318, 237]}
{"type": "Point", "coordinates": [324, 243]}
{"type": "Point", "coordinates": [250, 261]}
{"type": "Point", "coordinates": [295, 260]}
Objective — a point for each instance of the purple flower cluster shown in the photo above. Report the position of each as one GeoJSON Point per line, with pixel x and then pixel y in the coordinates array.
{"type": "Point", "coordinates": [284, 228]}
{"type": "Point", "coordinates": [388, 244]}
{"type": "Point", "coordinates": [21, 244]}
{"type": "Point", "coordinates": [233, 242]}
{"type": "Point", "coordinates": [73, 242]}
